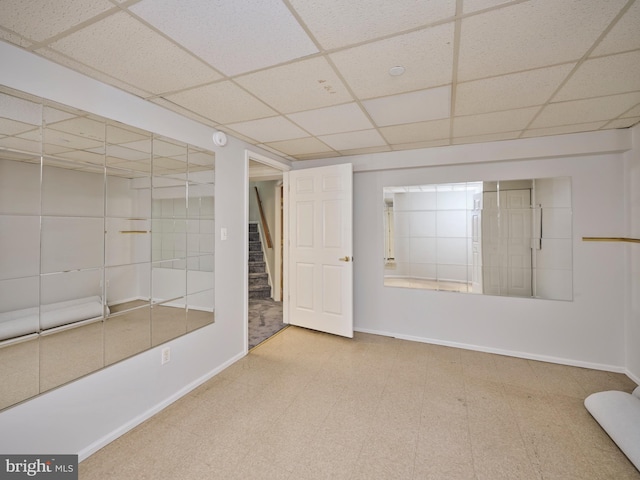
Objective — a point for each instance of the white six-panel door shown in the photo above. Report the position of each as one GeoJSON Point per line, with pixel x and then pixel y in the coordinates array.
{"type": "Point", "coordinates": [321, 249]}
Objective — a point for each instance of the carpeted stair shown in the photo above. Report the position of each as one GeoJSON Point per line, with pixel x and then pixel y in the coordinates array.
{"type": "Point", "coordinates": [258, 278]}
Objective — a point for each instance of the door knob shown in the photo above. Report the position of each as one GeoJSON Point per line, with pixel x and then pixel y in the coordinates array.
{"type": "Point", "coordinates": [345, 259]}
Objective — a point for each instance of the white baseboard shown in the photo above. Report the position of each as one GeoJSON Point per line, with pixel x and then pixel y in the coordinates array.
{"type": "Point", "coordinates": [110, 437]}
{"type": "Point", "coordinates": [633, 377]}
{"type": "Point", "coordinates": [500, 351]}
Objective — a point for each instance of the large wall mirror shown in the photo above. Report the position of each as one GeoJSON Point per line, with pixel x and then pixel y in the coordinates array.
{"type": "Point", "coordinates": [510, 238]}
{"type": "Point", "coordinates": [106, 243]}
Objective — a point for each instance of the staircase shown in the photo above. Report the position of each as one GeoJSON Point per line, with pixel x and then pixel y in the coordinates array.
{"type": "Point", "coordinates": [258, 278]}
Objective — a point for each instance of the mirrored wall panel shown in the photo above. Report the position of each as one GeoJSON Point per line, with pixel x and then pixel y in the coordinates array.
{"type": "Point", "coordinates": [508, 237]}
{"type": "Point", "coordinates": [106, 243]}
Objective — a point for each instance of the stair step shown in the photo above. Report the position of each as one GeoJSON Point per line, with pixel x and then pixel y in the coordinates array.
{"type": "Point", "coordinates": [257, 267]}
{"type": "Point", "coordinates": [255, 247]}
{"type": "Point", "coordinates": [255, 257]}
{"type": "Point", "coordinates": [260, 292]}
{"type": "Point", "coordinates": [258, 279]}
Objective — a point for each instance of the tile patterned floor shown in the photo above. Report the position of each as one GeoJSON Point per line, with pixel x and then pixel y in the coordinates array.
{"type": "Point", "coordinates": [306, 406]}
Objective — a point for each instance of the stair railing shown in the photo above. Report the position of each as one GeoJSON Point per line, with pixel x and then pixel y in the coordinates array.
{"type": "Point", "coordinates": [263, 220]}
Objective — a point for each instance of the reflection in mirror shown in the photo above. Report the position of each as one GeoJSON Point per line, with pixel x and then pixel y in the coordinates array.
{"type": "Point", "coordinates": [106, 243]}
{"type": "Point", "coordinates": [169, 255]}
{"type": "Point", "coordinates": [509, 238]}
{"type": "Point", "coordinates": [21, 148]}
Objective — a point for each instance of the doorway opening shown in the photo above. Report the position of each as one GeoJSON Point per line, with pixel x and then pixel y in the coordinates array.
{"type": "Point", "coordinates": [265, 236]}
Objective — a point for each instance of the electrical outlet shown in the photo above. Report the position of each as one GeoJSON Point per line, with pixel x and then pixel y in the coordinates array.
{"type": "Point", "coordinates": [166, 355]}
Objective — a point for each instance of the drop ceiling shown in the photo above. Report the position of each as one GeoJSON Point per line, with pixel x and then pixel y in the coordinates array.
{"type": "Point", "coordinates": [310, 79]}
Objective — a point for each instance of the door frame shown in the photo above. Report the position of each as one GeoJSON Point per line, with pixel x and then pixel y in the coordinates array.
{"type": "Point", "coordinates": [283, 167]}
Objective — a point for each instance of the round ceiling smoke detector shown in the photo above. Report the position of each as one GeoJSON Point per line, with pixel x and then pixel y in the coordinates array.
{"type": "Point", "coordinates": [220, 139]}
{"type": "Point", "coordinates": [396, 71]}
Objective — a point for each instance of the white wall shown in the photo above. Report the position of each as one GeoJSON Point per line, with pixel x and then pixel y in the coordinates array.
{"type": "Point", "coordinates": [588, 331]}
{"type": "Point", "coordinates": [632, 174]}
{"type": "Point", "coordinates": [86, 414]}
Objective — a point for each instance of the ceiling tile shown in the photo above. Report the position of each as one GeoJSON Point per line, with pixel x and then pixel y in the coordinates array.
{"type": "Point", "coordinates": [92, 72]}
{"type": "Point", "coordinates": [623, 122]}
{"type": "Point", "coordinates": [431, 104]}
{"type": "Point", "coordinates": [20, 109]}
{"type": "Point", "coordinates": [233, 36]}
{"type": "Point", "coordinates": [120, 152]}
{"type": "Point", "coordinates": [338, 119]}
{"type": "Point", "coordinates": [336, 23]}
{"type": "Point", "coordinates": [183, 111]}
{"type": "Point", "coordinates": [416, 145]}
{"type": "Point", "coordinates": [427, 56]}
{"type": "Point", "coordinates": [492, 137]}
{"type": "Point", "coordinates": [625, 35]}
{"type": "Point", "coordinates": [634, 112]}
{"type": "Point", "coordinates": [583, 111]}
{"type": "Point", "coordinates": [603, 76]}
{"type": "Point", "coordinates": [366, 150]}
{"type": "Point", "coordinates": [129, 50]}
{"type": "Point", "coordinates": [222, 102]}
{"type": "Point", "coordinates": [41, 20]}
{"type": "Point", "coordinates": [13, 38]}
{"type": "Point", "coordinates": [300, 146]}
{"type": "Point", "coordinates": [563, 129]}
{"type": "Point", "coordinates": [417, 132]}
{"type": "Point", "coordinates": [270, 129]}
{"type": "Point", "coordinates": [13, 127]}
{"type": "Point", "coordinates": [315, 156]}
{"type": "Point", "coordinates": [524, 89]}
{"type": "Point", "coordinates": [352, 140]}
{"type": "Point", "coordinates": [531, 34]}
{"type": "Point", "coordinates": [469, 6]}
{"type": "Point", "coordinates": [490, 123]}
{"type": "Point", "coordinates": [303, 85]}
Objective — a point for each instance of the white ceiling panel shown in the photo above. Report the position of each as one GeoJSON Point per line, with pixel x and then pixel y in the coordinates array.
{"type": "Point", "coordinates": [303, 85]}
{"type": "Point", "coordinates": [496, 122]}
{"type": "Point", "coordinates": [623, 122]}
{"type": "Point", "coordinates": [413, 146]}
{"type": "Point", "coordinates": [300, 146]}
{"type": "Point", "coordinates": [625, 35]}
{"type": "Point", "coordinates": [533, 87]}
{"type": "Point", "coordinates": [431, 104]}
{"type": "Point", "coordinates": [633, 112]}
{"type": "Point", "coordinates": [338, 23]}
{"type": "Point", "coordinates": [417, 132]}
{"type": "Point", "coordinates": [129, 50]}
{"type": "Point", "coordinates": [491, 137]}
{"type": "Point", "coordinates": [563, 129]}
{"type": "Point", "coordinates": [270, 129]}
{"type": "Point", "coordinates": [61, 59]}
{"type": "Point", "coordinates": [530, 35]}
{"type": "Point", "coordinates": [13, 127]}
{"type": "Point", "coordinates": [338, 119]}
{"type": "Point", "coordinates": [366, 150]}
{"type": "Point", "coordinates": [583, 111]}
{"type": "Point", "coordinates": [290, 75]}
{"type": "Point", "coordinates": [233, 36]}
{"type": "Point", "coordinates": [20, 109]}
{"type": "Point", "coordinates": [39, 20]}
{"type": "Point", "coordinates": [469, 6]}
{"type": "Point", "coordinates": [222, 102]}
{"type": "Point", "coordinates": [353, 140]}
{"type": "Point", "coordinates": [603, 76]}
{"type": "Point", "coordinates": [427, 56]}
